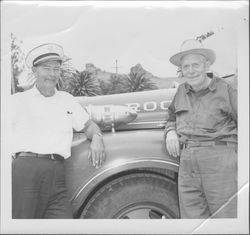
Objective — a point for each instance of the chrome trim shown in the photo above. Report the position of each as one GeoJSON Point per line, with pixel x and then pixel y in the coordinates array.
{"type": "Point", "coordinates": [126, 163]}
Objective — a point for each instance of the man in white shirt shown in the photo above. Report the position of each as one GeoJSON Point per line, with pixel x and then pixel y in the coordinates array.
{"type": "Point", "coordinates": [43, 120]}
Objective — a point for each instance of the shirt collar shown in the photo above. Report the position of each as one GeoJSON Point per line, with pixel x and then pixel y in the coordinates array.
{"type": "Point", "coordinates": [211, 87]}
{"type": "Point", "coordinates": [35, 92]}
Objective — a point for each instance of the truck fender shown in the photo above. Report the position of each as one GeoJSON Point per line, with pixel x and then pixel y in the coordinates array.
{"type": "Point", "coordinates": [125, 151]}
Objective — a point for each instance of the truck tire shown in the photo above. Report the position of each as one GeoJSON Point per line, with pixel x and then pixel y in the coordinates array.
{"type": "Point", "coordinates": [134, 196]}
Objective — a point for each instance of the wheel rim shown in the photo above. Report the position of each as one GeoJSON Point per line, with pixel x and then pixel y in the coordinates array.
{"type": "Point", "coordinates": [144, 210]}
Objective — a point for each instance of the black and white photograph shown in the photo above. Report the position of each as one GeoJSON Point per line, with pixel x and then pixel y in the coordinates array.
{"type": "Point", "coordinates": [124, 117]}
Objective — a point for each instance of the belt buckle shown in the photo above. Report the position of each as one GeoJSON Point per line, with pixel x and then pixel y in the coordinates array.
{"type": "Point", "coordinates": [183, 145]}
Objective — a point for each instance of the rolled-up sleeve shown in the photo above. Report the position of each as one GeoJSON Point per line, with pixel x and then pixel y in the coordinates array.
{"type": "Point", "coordinates": [79, 116]}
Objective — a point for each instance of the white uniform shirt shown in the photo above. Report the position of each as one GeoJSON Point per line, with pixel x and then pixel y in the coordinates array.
{"type": "Point", "coordinates": [45, 124]}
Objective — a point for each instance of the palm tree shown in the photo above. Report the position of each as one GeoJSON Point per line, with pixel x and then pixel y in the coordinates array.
{"type": "Point", "coordinates": [17, 63]}
{"type": "Point", "coordinates": [68, 72]}
{"type": "Point", "coordinates": [137, 81]}
{"type": "Point", "coordinates": [82, 84]}
{"type": "Point", "coordinates": [115, 85]}
{"type": "Point", "coordinates": [118, 84]}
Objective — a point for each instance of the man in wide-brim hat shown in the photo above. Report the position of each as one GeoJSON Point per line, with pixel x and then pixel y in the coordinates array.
{"type": "Point", "coordinates": [43, 120]}
{"type": "Point", "coordinates": [202, 130]}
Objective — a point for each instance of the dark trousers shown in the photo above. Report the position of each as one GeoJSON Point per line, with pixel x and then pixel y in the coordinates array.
{"type": "Point", "coordinates": [207, 182]}
{"type": "Point", "coordinates": [38, 189]}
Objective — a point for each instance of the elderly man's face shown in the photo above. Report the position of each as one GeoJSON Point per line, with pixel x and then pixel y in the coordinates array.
{"type": "Point", "coordinates": [194, 68]}
{"type": "Point", "coordinates": [48, 74]}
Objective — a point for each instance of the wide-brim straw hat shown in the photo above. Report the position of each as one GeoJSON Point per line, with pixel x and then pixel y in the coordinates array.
{"type": "Point", "coordinates": [44, 52]}
{"type": "Point", "coordinates": [192, 46]}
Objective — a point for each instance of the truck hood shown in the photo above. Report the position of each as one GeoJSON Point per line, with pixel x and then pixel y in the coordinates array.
{"type": "Point", "coordinates": [137, 110]}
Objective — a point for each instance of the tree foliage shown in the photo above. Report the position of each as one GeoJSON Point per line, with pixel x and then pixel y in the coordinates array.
{"type": "Point", "coordinates": [137, 81]}
{"type": "Point", "coordinates": [68, 73]}
{"type": "Point", "coordinates": [17, 63]}
{"type": "Point", "coordinates": [82, 84]}
{"type": "Point", "coordinates": [116, 84]}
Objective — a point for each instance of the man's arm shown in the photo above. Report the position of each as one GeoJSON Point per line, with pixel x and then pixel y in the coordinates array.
{"type": "Point", "coordinates": [172, 142]}
{"type": "Point", "coordinates": [97, 150]}
{"type": "Point", "coordinates": [171, 121]}
{"type": "Point", "coordinates": [233, 101]}
{"type": "Point", "coordinates": [91, 129]}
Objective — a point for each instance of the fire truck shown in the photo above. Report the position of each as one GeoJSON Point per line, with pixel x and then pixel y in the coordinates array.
{"type": "Point", "coordinates": [139, 178]}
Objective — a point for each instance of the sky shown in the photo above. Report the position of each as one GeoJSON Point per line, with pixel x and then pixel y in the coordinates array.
{"type": "Point", "coordinates": [148, 33]}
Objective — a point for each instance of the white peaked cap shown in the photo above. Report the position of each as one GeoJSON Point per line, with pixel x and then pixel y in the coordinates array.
{"type": "Point", "coordinates": [44, 52]}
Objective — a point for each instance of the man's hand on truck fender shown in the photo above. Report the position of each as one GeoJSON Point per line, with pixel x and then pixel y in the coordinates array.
{"type": "Point", "coordinates": [172, 143]}
{"type": "Point", "coordinates": [97, 153]}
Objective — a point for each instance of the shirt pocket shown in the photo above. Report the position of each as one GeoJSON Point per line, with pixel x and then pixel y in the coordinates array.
{"type": "Point", "coordinates": [62, 120]}
{"type": "Point", "coordinates": [211, 118]}
{"type": "Point", "coordinates": [182, 117]}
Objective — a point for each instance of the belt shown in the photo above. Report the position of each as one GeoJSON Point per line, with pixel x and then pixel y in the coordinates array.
{"type": "Point", "coordinates": [192, 144]}
{"type": "Point", "coordinates": [52, 156]}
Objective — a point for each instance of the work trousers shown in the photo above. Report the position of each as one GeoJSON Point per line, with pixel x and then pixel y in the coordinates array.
{"type": "Point", "coordinates": [39, 189]}
{"type": "Point", "coordinates": [207, 182]}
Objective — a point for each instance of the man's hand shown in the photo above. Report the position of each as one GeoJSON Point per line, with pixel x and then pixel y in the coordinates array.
{"type": "Point", "coordinates": [97, 151]}
{"type": "Point", "coordinates": [172, 143]}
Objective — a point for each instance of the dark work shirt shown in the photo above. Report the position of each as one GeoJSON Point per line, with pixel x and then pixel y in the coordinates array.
{"type": "Point", "coordinates": [209, 114]}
